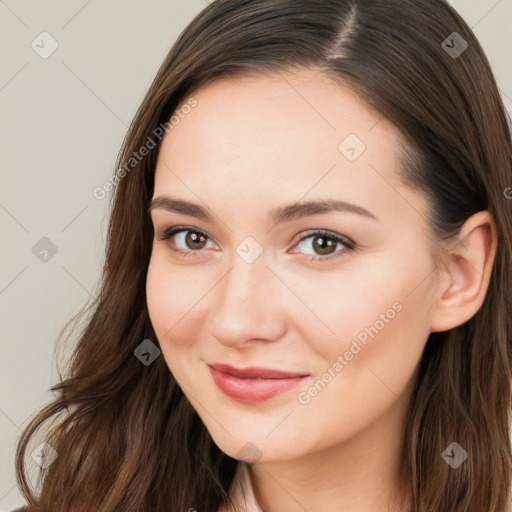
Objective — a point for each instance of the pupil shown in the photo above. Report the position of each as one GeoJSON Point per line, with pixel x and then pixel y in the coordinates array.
{"type": "Point", "coordinates": [324, 245]}
{"type": "Point", "coordinates": [195, 238]}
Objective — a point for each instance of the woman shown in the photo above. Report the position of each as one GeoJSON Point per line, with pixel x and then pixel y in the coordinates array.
{"type": "Point", "coordinates": [306, 300]}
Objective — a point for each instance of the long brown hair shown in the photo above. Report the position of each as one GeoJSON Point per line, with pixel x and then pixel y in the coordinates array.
{"type": "Point", "coordinates": [127, 438]}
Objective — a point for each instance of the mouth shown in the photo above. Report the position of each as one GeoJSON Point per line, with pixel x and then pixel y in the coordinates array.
{"type": "Point", "coordinates": [256, 372]}
{"type": "Point", "coordinates": [254, 384]}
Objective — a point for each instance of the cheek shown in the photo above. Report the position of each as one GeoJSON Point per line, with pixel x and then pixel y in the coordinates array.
{"type": "Point", "coordinates": [159, 295]}
{"type": "Point", "coordinates": [167, 303]}
{"type": "Point", "coordinates": [382, 335]}
{"type": "Point", "coordinates": [377, 319]}
{"type": "Point", "coordinates": [171, 293]}
{"type": "Point", "coordinates": [367, 372]}
{"type": "Point", "coordinates": [362, 303]}
{"type": "Point", "coordinates": [174, 294]}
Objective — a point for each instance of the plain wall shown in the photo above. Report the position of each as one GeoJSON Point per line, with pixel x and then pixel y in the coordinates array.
{"type": "Point", "coordinates": [62, 121]}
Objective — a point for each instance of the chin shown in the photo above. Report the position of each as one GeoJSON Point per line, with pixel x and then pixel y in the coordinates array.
{"type": "Point", "coordinates": [256, 449]}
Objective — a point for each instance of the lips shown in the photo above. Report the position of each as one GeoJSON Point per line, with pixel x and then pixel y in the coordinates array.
{"type": "Point", "coordinates": [254, 384]}
{"type": "Point", "coordinates": [256, 372]}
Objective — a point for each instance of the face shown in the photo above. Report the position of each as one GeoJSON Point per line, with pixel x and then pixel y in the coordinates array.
{"type": "Point", "coordinates": [338, 293]}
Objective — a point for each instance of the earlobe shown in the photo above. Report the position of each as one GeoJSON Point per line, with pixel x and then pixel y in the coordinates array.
{"type": "Point", "coordinates": [466, 273]}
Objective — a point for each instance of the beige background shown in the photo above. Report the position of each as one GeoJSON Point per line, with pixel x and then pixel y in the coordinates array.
{"type": "Point", "coordinates": [62, 121]}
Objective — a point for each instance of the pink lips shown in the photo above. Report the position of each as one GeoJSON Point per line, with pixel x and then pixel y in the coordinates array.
{"type": "Point", "coordinates": [253, 384]}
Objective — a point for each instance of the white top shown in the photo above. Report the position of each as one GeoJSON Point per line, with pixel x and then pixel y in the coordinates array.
{"type": "Point", "coordinates": [241, 491]}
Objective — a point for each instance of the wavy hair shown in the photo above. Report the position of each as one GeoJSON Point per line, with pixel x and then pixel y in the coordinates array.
{"type": "Point", "coordinates": [126, 436]}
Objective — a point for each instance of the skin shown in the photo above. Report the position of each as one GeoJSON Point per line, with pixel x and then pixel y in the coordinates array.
{"type": "Point", "coordinates": [257, 142]}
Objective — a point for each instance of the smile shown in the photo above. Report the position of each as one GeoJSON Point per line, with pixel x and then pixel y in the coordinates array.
{"type": "Point", "coordinates": [251, 388]}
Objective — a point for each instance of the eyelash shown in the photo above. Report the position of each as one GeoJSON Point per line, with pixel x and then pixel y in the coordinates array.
{"type": "Point", "coordinates": [348, 244]}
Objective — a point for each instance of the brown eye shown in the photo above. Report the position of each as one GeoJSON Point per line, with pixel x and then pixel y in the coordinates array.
{"type": "Point", "coordinates": [324, 245]}
{"type": "Point", "coordinates": [195, 240]}
{"type": "Point", "coordinates": [185, 241]}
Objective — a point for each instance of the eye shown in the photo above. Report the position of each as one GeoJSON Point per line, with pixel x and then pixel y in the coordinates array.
{"type": "Point", "coordinates": [325, 243]}
{"type": "Point", "coordinates": [191, 240]}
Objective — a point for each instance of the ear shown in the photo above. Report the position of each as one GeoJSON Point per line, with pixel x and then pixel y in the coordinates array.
{"type": "Point", "coordinates": [465, 274]}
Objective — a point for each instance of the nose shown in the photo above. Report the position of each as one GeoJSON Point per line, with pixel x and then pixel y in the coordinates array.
{"type": "Point", "coordinates": [248, 304]}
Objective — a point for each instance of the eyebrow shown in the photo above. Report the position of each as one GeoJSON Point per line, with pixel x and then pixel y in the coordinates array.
{"type": "Point", "coordinates": [276, 215]}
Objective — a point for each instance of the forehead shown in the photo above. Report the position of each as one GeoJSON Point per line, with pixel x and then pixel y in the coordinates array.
{"type": "Point", "coordinates": [307, 102]}
{"type": "Point", "coordinates": [277, 138]}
